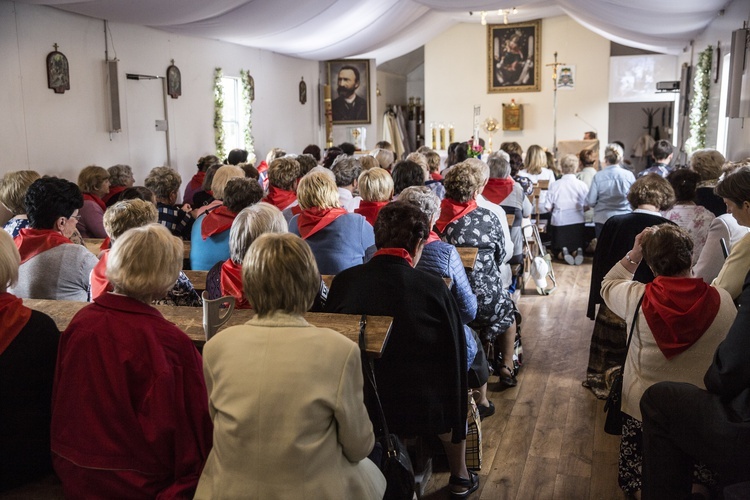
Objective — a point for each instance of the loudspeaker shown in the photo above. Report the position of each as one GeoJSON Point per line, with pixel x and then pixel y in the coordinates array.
{"type": "Point", "coordinates": [737, 68]}
{"type": "Point", "coordinates": [114, 96]}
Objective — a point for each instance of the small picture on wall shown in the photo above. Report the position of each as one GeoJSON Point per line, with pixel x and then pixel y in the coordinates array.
{"type": "Point", "coordinates": [513, 57]}
{"type": "Point", "coordinates": [350, 79]}
{"type": "Point", "coordinates": [566, 77]}
{"type": "Point", "coordinates": [58, 73]}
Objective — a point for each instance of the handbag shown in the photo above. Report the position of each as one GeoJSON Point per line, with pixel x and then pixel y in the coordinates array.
{"type": "Point", "coordinates": [395, 463]}
{"type": "Point", "coordinates": [473, 437]}
{"type": "Point", "coordinates": [613, 421]}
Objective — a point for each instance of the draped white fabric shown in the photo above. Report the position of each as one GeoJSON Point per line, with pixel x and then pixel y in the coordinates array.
{"type": "Point", "coordinates": [385, 29]}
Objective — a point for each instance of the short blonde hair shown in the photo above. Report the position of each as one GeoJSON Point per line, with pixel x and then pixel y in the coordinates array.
{"type": "Point", "coordinates": [317, 189]}
{"type": "Point", "coordinates": [282, 172]}
{"type": "Point", "coordinates": [13, 189]}
{"type": "Point", "coordinates": [385, 157]}
{"type": "Point", "coordinates": [708, 163]}
{"type": "Point", "coordinates": [368, 162]}
{"type": "Point", "coordinates": [91, 178]}
{"type": "Point", "coordinates": [221, 178]}
{"type": "Point", "coordinates": [433, 160]}
{"type": "Point", "coordinates": [279, 273]}
{"type": "Point", "coordinates": [163, 181]}
{"type": "Point", "coordinates": [249, 224]}
{"type": "Point", "coordinates": [569, 164]}
{"type": "Point", "coordinates": [128, 214]}
{"type": "Point", "coordinates": [536, 160]}
{"type": "Point", "coordinates": [10, 259]}
{"type": "Point", "coordinates": [375, 185]}
{"type": "Point", "coordinates": [462, 181]}
{"type": "Point", "coordinates": [144, 262]}
{"type": "Point", "coordinates": [273, 154]}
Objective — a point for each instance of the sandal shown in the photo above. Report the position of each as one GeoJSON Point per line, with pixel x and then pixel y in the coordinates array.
{"type": "Point", "coordinates": [470, 484]}
{"type": "Point", "coordinates": [507, 380]}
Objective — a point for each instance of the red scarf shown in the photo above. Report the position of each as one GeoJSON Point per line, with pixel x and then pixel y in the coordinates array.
{"type": "Point", "coordinates": [14, 317]}
{"type": "Point", "coordinates": [32, 242]}
{"type": "Point", "coordinates": [436, 176]}
{"type": "Point", "coordinates": [262, 167]}
{"type": "Point", "coordinates": [396, 252]}
{"type": "Point", "coordinates": [196, 183]}
{"type": "Point", "coordinates": [432, 237]}
{"type": "Point", "coordinates": [370, 210]}
{"type": "Point", "coordinates": [314, 219]}
{"type": "Point", "coordinates": [296, 209]}
{"type": "Point", "coordinates": [217, 221]}
{"type": "Point", "coordinates": [231, 284]}
{"type": "Point", "coordinates": [280, 198]}
{"type": "Point", "coordinates": [106, 244]}
{"type": "Point", "coordinates": [451, 210]}
{"type": "Point", "coordinates": [497, 190]}
{"type": "Point", "coordinates": [112, 192]}
{"type": "Point", "coordinates": [679, 311]}
{"type": "Point", "coordinates": [95, 199]}
{"type": "Point", "coordinates": [99, 283]}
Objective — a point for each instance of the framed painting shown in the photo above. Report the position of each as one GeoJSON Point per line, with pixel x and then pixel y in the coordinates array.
{"type": "Point", "coordinates": [513, 61]}
{"type": "Point", "coordinates": [174, 81]}
{"type": "Point", "coordinates": [350, 79]}
{"type": "Point", "coordinates": [58, 73]}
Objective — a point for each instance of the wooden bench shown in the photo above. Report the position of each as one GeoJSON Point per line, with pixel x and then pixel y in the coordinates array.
{"type": "Point", "coordinates": [93, 245]}
{"type": "Point", "coordinates": [328, 279]}
{"type": "Point", "coordinates": [468, 256]}
{"type": "Point", "coordinates": [511, 219]}
{"type": "Point", "coordinates": [190, 321]}
{"type": "Point", "coordinates": [197, 278]}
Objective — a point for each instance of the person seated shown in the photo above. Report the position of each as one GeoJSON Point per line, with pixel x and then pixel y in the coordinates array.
{"type": "Point", "coordinates": [52, 266]}
{"type": "Point", "coordinates": [165, 182]}
{"type": "Point", "coordinates": [306, 163]}
{"type": "Point", "coordinates": [330, 157]}
{"type": "Point", "coordinates": [384, 145]}
{"type": "Point", "coordinates": [422, 373]}
{"type": "Point", "coordinates": [435, 186]}
{"type": "Point", "coordinates": [120, 217]}
{"type": "Point", "coordinates": [433, 165]}
{"type": "Point", "coordinates": [312, 150]}
{"type": "Point", "coordinates": [680, 323]}
{"type": "Point", "coordinates": [406, 173]}
{"type": "Point", "coordinates": [139, 193]}
{"type": "Point", "coordinates": [283, 175]}
{"type": "Point", "coordinates": [347, 170]}
{"type": "Point", "coordinates": [708, 163]}
{"type": "Point", "coordinates": [368, 162]}
{"type": "Point", "coordinates": [566, 200]}
{"type": "Point", "coordinates": [28, 350]}
{"type": "Point", "coordinates": [376, 189]}
{"type": "Point", "coordinates": [196, 182]}
{"type": "Point", "coordinates": [13, 189]}
{"type": "Point", "coordinates": [695, 219]}
{"type": "Point", "coordinates": [129, 410]}
{"type": "Point", "coordinates": [318, 446]}
{"type": "Point", "coordinates": [348, 148]}
{"type": "Point", "coordinates": [502, 190]}
{"type": "Point", "coordinates": [93, 182]}
{"type": "Point", "coordinates": [206, 196]}
{"type": "Point", "coordinates": [385, 158]}
{"type": "Point", "coordinates": [516, 165]}
{"type": "Point", "coordinates": [587, 168]}
{"type": "Point", "coordinates": [338, 239]}
{"type": "Point", "coordinates": [236, 156]}
{"type": "Point", "coordinates": [662, 155]}
{"type": "Point", "coordinates": [120, 178]}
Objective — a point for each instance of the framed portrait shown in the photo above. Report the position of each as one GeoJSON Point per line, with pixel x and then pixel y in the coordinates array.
{"type": "Point", "coordinates": [58, 72]}
{"type": "Point", "coordinates": [174, 81]}
{"type": "Point", "coordinates": [513, 57]}
{"type": "Point", "coordinates": [350, 99]}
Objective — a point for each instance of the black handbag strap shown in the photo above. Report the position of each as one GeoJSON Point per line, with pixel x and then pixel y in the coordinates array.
{"type": "Point", "coordinates": [369, 369]}
{"type": "Point", "coordinates": [630, 335]}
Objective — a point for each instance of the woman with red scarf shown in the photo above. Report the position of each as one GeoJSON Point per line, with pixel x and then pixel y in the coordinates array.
{"type": "Point", "coordinates": [28, 349]}
{"type": "Point", "coordinates": [93, 182]}
{"type": "Point", "coordinates": [376, 190]}
{"type": "Point", "coordinates": [196, 183]}
{"type": "Point", "coordinates": [680, 324]}
{"type": "Point", "coordinates": [338, 239]}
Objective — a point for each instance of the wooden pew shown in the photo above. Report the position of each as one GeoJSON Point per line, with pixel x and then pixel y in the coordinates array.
{"type": "Point", "coordinates": [468, 257]}
{"type": "Point", "coordinates": [93, 244]}
{"type": "Point", "coordinates": [328, 279]}
{"type": "Point", "coordinates": [511, 219]}
{"type": "Point", "coordinates": [190, 321]}
{"type": "Point", "coordinates": [197, 278]}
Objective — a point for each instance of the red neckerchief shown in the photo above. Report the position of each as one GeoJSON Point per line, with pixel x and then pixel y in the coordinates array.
{"type": "Point", "coordinates": [432, 237]}
{"type": "Point", "coordinates": [32, 242]}
{"type": "Point", "coordinates": [679, 311]}
{"type": "Point", "coordinates": [95, 199]}
{"type": "Point", "coordinates": [396, 252]}
{"type": "Point", "coordinates": [106, 244]}
{"type": "Point", "coordinates": [112, 192]}
{"type": "Point", "coordinates": [497, 190]}
{"type": "Point", "coordinates": [280, 198]}
{"type": "Point", "coordinates": [231, 284]}
{"type": "Point", "coordinates": [436, 176]}
{"type": "Point", "coordinates": [217, 221]}
{"type": "Point", "coordinates": [296, 209]}
{"type": "Point", "coordinates": [370, 210]}
{"type": "Point", "coordinates": [196, 182]}
{"type": "Point", "coordinates": [314, 219]}
{"type": "Point", "coordinates": [451, 210]}
{"type": "Point", "coordinates": [14, 317]}
{"type": "Point", "coordinates": [262, 167]}
{"type": "Point", "coordinates": [99, 282]}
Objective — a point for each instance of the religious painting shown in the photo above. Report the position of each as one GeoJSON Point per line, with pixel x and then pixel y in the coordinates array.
{"type": "Point", "coordinates": [174, 81]}
{"type": "Point", "coordinates": [513, 116]}
{"type": "Point", "coordinates": [58, 72]}
{"type": "Point", "coordinates": [350, 78]}
{"type": "Point", "coordinates": [302, 91]}
{"type": "Point", "coordinates": [566, 77]}
{"type": "Point", "coordinates": [513, 58]}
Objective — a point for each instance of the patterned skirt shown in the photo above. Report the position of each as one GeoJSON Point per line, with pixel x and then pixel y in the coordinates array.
{"type": "Point", "coordinates": [607, 351]}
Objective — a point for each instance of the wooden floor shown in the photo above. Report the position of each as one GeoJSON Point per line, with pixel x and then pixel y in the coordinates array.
{"type": "Point", "coordinates": [546, 439]}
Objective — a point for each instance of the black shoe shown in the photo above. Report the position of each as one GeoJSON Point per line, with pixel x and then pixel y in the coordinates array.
{"type": "Point", "coordinates": [486, 411]}
{"type": "Point", "coordinates": [470, 484]}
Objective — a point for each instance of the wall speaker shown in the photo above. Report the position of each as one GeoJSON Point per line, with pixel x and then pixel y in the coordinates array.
{"type": "Point", "coordinates": [737, 69]}
{"type": "Point", "coordinates": [114, 96]}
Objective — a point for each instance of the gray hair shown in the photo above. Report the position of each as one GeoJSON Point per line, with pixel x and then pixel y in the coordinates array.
{"type": "Point", "coordinates": [249, 224]}
{"type": "Point", "coordinates": [499, 164]}
{"type": "Point", "coordinates": [163, 181]}
{"type": "Point", "coordinates": [613, 154]}
{"type": "Point", "coordinates": [424, 198]}
{"type": "Point", "coordinates": [569, 164]}
{"type": "Point", "coordinates": [119, 175]}
{"type": "Point", "coordinates": [346, 169]}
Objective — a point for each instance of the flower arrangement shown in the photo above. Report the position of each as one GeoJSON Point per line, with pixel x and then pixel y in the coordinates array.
{"type": "Point", "coordinates": [248, 101]}
{"type": "Point", "coordinates": [699, 106]}
{"type": "Point", "coordinates": [218, 114]}
{"type": "Point", "coordinates": [475, 150]}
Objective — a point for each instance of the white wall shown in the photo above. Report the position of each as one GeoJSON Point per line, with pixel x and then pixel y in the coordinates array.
{"type": "Point", "coordinates": [456, 80]}
{"type": "Point", "coordinates": [61, 133]}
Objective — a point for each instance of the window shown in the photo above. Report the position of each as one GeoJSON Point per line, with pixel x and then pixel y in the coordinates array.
{"type": "Point", "coordinates": [233, 114]}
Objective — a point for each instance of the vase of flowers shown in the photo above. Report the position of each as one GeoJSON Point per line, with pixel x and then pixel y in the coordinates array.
{"type": "Point", "coordinates": [475, 149]}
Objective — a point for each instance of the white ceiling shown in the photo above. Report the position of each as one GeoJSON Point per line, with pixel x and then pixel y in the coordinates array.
{"type": "Point", "coordinates": [386, 29]}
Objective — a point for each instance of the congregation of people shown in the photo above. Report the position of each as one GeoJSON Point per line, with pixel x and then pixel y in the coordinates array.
{"type": "Point", "coordinates": [122, 404]}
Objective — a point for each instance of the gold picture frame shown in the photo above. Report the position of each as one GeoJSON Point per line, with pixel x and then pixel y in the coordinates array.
{"type": "Point", "coordinates": [354, 74]}
{"type": "Point", "coordinates": [513, 116]}
{"type": "Point", "coordinates": [513, 57]}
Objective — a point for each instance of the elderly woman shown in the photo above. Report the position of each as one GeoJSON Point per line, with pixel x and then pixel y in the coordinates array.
{"type": "Point", "coordinates": [13, 189]}
{"type": "Point", "coordinates": [649, 195]}
{"type": "Point", "coordinates": [210, 233]}
{"type": "Point", "coordinates": [566, 200]}
{"type": "Point", "coordinates": [376, 189]}
{"type": "Point", "coordinates": [695, 219]}
{"type": "Point", "coordinates": [338, 239]}
{"type": "Point", "coordinates": [708, 163]}
{"type": "Point", "coordinates": [347, 170]}
{"type": "Point", "coordinates": [516, 165]}
{"type": "Point", "coordinates": [196, 182]}
{"type": "Point", "coordinates": [93, 182]}
{"type": "Point", "coordinates": [680, 324]}
{"type": "Point", "coordinates": [406, 173]}
{"type": "Point", "coordinates": [120, 217]}
{"type": "Point", "coordinates": [587, 159]}
{"type": "Point", "coordinates": [536, 170]}
{"type": "Point", "coordinates": [52, 267]}
{"type": "Point", "coordinates": [317, 447]}
{"type": "Point", "coordinates": [385, 158]}
{"type": "Point", "coordinates": [28, 349]}
{"type": "Point", "coordinates": [422, 373]}
{"type": "Point", "coordinates": [165, 184]}
{"type": "Point", "coordinates": [120, 178]}
{"type": "Point", "coordinates": [608, 193]}
{"type": "Point", "coordinates": [464, 224]}
{"type": "Point", "coordinates": [421, 160]}
{"type": "Point", "coordinates": [283, 175]}
{"type": "Point", "coordinates": [129, 409]}
{"type": "Point", "coordinates": [206, 196]}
